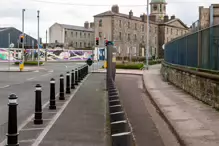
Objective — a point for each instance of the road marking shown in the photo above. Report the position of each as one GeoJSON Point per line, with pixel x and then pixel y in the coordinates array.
{"type": "Point", "coordinates": [36, 71]}
{"type": "Point", "coordinates": [30, 79]}
{"type": "Point", "coordinates": [51, 123]}
{"type": "Point", "coordinates": [50, 71]}
{"type": "Point", "coordinates": [28, 140]}
{"type": "Point", "coordinates": [30, 129]}
{"type": "Point", "coordinates": [46, 74]}
{"type": "Point", "coordinates": [5, 86]}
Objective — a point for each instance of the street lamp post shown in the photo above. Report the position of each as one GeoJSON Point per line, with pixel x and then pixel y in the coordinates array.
{"type": "Point", "coordinates": [147, 48]}
{"type": "Point", "coordinates": [23, 10]}
{"type": "Point", "coordinates": [38, 32]}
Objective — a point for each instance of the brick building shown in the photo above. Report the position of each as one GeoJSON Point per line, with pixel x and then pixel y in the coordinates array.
{"type": "Point", "coordinates": [129, 31]}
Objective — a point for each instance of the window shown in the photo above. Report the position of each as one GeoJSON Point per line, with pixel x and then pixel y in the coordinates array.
{"type": "Point", "coordinates": [142, 38]}
{"type": "Point", "coordinates": [71, 34]}
{"type": "Point", "coordinates": [100, 34]}
{"type": "Point", "coordinates": [120, 23]}
{"type": "Point", "coordinates": [142, 27]}
{"type": "Point", "coordinates": [85, 44]}
{"type": "Point", "coordinates": [155, 7]}
{"type": "Point", "coordinates": [160, 7]}
{"type": "Point", "coordinates": [65, 33]}
{"type": "Point", "coordinates": [76, 34]}
{"type": "Point", "coordinates": [155, 41]}
{"type": "Point", "coordinates": [80, 34]}
{"type": "Point", "coordinates": [155, 29]}
{"type": "Point", "coordinates": [171, 31]}
{"type": "Point", "coordinates": [88, 35]}
{"type": "Point", "coordinates": [129, 37]}
{"type": "Point", "coordinates": [84, 35]}
{"type": "Point", "coordinates": [80, 44]}
{"type": "Point", "coordinates": [135, 26]}
{"type": "Point", "coordinates": [100, 23]}
{"type": "Point", "coordinates": [76, 44]}
{"type": "Point", "coordinates": [135, 37]}
{"type": "Point", "coordinates": [128, 24]}
{"type": "Point", "coordinates": [88, 44]}
{"type": "Point", "coordinates": [120, 35]}
{"type": "Point", "coordinates": [164, 8]}
{"type": "Point", "coordinates": [167, 30]}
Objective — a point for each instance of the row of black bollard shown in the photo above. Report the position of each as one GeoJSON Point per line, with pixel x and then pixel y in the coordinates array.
{"type": "Point", "coordinates": [120, 130]}
{"type": "Point", "coordinates": [76, 76]}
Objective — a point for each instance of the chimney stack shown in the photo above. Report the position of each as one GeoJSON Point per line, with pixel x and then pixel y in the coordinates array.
{"type": "Point", "coordinates": [86, 25]}
{"type": "Point", "coordinates": [130, 14]}
{"type": "Point", "coordinates": [173, 17]}
{"type": "Point", "coordinates": [115, 9]}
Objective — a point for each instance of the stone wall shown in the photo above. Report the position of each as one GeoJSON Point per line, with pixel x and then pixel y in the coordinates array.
{"type": "Point", "coordinates": [201, 88]}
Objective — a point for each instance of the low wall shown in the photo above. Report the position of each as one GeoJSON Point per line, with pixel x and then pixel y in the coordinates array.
{"type": "Point", "coordinates": [201, 85]}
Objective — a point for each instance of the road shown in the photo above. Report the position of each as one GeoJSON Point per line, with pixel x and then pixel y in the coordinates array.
{"type": "Point", "coordinates": [23, 85]}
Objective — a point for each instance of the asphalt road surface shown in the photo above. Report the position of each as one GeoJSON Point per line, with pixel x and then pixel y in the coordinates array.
{"type": "Point", "coordinates": [23, 85]}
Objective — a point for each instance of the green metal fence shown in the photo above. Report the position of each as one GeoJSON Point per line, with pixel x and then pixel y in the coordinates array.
{"type": "Point", "coordinates": [199, 49]}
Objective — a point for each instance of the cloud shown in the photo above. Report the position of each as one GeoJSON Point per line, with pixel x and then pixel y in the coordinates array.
{"type": "Point", "coordinates": [52, 11]}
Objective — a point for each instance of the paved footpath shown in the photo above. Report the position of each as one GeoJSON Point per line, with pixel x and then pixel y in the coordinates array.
{"type": "Point", "coordinates": [83, 121]}
{"type": "Point", "coordinates": [195, 123]}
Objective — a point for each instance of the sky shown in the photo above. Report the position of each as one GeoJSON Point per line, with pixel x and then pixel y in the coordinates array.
{"type": "Point", "coordinates": [77, 12]}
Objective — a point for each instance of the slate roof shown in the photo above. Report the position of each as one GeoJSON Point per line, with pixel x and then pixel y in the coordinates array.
{"type": "Point", "coordinates": [74, 27]}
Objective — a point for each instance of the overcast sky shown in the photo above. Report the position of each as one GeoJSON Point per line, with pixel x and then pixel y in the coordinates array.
{"type": "Point", "coordinates": [64, 11]}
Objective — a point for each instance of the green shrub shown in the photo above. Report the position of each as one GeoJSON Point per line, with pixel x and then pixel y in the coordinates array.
{"type": "Point", "coordinates": [130, 66]}
{"type": "Point", "coordinates": [153, 62]}
{"type": "Point", "coordinates": [29, 63]}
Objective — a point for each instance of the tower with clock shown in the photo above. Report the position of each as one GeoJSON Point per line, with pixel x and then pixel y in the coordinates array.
{"type": "Point", "coordinates": [158, 9]}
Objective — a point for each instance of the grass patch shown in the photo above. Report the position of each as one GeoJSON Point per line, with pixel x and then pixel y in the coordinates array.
{"type": "Point", "coordinates": [31, 63]}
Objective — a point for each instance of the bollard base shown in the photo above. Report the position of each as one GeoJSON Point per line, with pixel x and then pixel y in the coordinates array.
{"type": "Point", "coordinates": [52, 107]}
{"type": "Point", "coordinates": [68, 91]}
{"type": "Point", "coordinates": [38, 122]}
{"type": "Point", "coordinates": [72, 86]}
{"type": "Point", "coordinates": [12, 139]}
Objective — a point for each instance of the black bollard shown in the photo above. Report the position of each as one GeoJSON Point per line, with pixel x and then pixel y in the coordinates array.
{"type": "Point", "coordinates": [76, 76]}
{"type": "Point", "coordinates": [12, 135]}
{"type": "Point", "coordinates": [61, 88]}
{"type": "Point", "coordinates": [72, 79]}
{"type": "Point", "coordinates": [83, 70]}
{"type": "Point", "coordinates": [52, 105]}
{"type": "Point", "coordinates": [68, 88]}
{"type": "Point", "coordinates": [79, 74]}
{"type": "Point", "coordinates": [38, 106]}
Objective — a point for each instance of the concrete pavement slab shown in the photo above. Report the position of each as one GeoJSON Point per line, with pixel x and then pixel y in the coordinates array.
{"type": "Point", "coordinates": [121, 71]}
{"type": "Point", "coordinates": [194, 123]}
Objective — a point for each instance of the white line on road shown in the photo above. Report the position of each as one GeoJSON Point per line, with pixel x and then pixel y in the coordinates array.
{"type": "Point", "coordinates": [46, 74]}
{"type": "Point", "coordinates": [4, 86]}
{"type": "Point", "coordinates": [30, 79]}
{"type": "Point", "coordinates": [51, 123]}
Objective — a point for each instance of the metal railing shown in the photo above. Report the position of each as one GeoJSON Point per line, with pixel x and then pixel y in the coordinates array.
{"type": "Point", "coordinates": [198, 50]}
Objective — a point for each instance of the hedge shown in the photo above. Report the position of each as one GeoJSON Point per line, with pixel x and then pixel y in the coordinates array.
{"type": "Point", "coordinates": [29, 63]}
{"type": "Point", "coordinates": [130, 66]}
{"type": "Point", "coordinates": [152, 62]}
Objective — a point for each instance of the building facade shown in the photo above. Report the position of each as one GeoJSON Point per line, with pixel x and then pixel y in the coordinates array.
{"type": "Point", "coordinates": [71, 36]}
{"type": "Point", "coordinates": [14, 38]}
{"type": "Point", "coordinates": [129, 32]}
